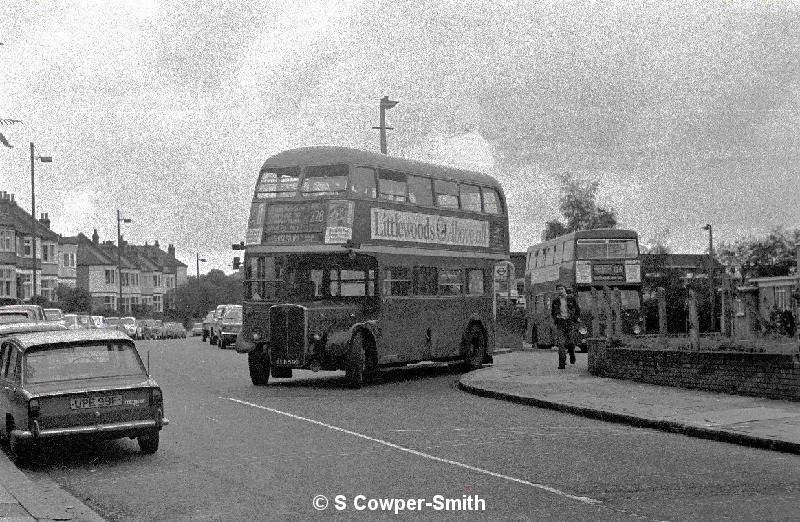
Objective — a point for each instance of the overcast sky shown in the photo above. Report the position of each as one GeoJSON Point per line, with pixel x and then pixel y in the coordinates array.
{"type": "Point", "coordinates": [686, 113]}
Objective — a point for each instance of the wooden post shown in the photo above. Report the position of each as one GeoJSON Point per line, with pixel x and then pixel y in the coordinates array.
{"type": "Point", "coordinates": [694, 328]}
{"type": "Point", "coordinates": [616, 303]}
{"type": "Point", "coordinates": [662, 310]}
{"type": "Point", "coordinates": [595, 314]}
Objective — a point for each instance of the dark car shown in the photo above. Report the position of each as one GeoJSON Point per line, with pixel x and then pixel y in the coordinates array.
{"type": "Point", "coordinates": [230, 324]}
{"type": "Point", "coordinates": [76, 384]}
{"type": "Point", "coordinates": [197, 329]}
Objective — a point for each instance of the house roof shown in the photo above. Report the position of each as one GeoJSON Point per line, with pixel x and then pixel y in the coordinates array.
{"type": "Point", "coordinates": [13, 215]}
{"type": "Point", "coordinates": [91, 254]}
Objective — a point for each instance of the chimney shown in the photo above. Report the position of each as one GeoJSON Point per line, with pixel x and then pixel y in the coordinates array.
{"type": "Point", "coordinates": [155, 244]}
{"type": "Point", "coordinates": [171, 251]}
{"type": "Point", "coordinates": [95, 237]}
{"type": "Point", "coordinates": [44, 220]}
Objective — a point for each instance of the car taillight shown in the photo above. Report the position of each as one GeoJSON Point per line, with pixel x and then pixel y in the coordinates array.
{"type": "Point", "coordinates": [155, 397]}
{"type": "Point", "coordinates": [33, 408]}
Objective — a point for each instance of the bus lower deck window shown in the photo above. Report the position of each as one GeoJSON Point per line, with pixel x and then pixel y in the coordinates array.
{"type": "Point", "coordinates": [475, 282]}
{"type": "Point", "coordinates": [450, 282]}
{"type": "Point", "coordinates": [397, 281]}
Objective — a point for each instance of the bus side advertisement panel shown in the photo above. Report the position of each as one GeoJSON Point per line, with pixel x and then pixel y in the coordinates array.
{"type": "Point", "coordinates": [395, 225]}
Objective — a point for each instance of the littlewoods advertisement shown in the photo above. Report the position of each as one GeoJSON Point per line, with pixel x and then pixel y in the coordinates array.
{"type": "Point", "coordinates": [426, 228]}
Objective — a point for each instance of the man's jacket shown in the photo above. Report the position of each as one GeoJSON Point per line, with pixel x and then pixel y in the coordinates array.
{"type": "Point", "coordinates": [573, 309]}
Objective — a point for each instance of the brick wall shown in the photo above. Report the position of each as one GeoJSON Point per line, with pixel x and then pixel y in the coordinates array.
{"type": "Point", "coordinates": [768, 375]}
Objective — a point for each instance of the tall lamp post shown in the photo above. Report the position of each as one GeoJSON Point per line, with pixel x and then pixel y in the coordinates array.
{"type": "Point", "coordinates": [386, 104]}
{"type": "Point", "coordinates": [43, 159]}
{"type": "Point", "coordinates": [198, 265]}
{"type": "Point", "coordinates": [120, 220]}
{"type": "Point", "coordinates": [711, 286]}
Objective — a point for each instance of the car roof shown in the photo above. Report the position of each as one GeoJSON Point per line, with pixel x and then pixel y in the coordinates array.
{"type": "Point", "coordinates": [20, 307]}
{"type": "Point", "coordinates": [33, 326]}
{"type": "Point", "coordinates": [29, 340]}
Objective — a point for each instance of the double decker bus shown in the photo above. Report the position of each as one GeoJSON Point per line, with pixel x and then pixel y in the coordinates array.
{"type": "Point", "coordinates": [588, 261]}
{"type": "Point", "coordinates": [355, 260]}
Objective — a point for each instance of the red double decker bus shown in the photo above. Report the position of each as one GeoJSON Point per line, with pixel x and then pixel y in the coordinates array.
{"type": "Point", "coordinates": [355, 261]}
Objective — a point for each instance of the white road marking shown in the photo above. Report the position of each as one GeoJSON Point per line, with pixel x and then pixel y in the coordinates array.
{"type": "Point", "coordinates": [585, 500]}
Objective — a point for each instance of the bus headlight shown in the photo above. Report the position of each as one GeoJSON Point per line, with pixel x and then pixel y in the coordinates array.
{"type": "Point", "coordinates": [582, 330]}
{"type": "Point", "coordinates": [637, 330]}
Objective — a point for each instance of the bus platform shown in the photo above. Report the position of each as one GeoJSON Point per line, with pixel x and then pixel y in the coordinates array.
{"type": "Point", "coordinates": [531, 377]}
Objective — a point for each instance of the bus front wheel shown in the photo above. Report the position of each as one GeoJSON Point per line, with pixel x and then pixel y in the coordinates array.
{"type": "Point", "coordinates": [356, 359]}
{"type": "Point", "coordinates": [474, 347]}
{"type": "Point", "coordinates": [258, 363]}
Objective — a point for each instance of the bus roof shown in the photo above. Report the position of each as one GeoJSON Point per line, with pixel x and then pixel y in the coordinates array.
{"type": "Point", "coordinates": [596, 233]}
{"type": "Point", "coordinates": [333, 155]}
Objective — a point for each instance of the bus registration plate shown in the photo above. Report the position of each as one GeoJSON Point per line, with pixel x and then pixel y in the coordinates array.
{"type": "Point", "coordinates": [97, 401]}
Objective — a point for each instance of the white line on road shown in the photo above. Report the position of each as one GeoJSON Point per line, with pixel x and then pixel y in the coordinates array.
{"type": "Point", "coordinates": [585, 500]}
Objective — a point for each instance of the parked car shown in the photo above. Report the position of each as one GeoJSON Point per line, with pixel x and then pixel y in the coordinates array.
{"type": "Point", "coordinates": [35, 312]}
{"type": "Point", "coordinates": [207, 325]}
{"type": "Point", "coordinates": [113, 323]}
{"type": "Point", "coordinates": [216, 323]}
{"type": "Point", "coordinates": [32, 326]}
{"type": "Point", "coordinates": [15, 316]}
{"type": "Point", "coordinates": [99, 321]}
{"type": "Point", "coordinates": [152, 329]}
{"type": "Point", "coordinates": [128, 326]}
{"type": "Point", "coordinates": [197, 329]}
{"type": "Point", "coordinates": [53, 314]}
{"type": "Point", "coordinates": [78, 322]}
{"type": "Point", "coordinates": [78, 384]}
{"type": "Point", "coordinates": [230, 325]}
{"type": "Point", "coordinates": [174, 330]}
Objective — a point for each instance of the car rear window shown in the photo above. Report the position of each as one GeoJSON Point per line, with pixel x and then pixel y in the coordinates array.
{"type": "Point", "coordinates": [7, 317]}
{"type": "Point", "coordinates": [85, 361]}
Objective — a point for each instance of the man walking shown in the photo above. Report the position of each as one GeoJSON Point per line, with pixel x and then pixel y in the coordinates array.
{"type": "Point", "coordinates": [566, 313]}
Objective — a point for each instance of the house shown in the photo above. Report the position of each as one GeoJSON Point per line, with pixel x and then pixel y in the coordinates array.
{"type": "Point", "coordinates": [17, 268]}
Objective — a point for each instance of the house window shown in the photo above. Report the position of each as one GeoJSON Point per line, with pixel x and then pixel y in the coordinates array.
{"type": "Point", "coordinates": [7, 277]}
{"type": "Point", "coordinates": [48, 253]}
{"type": "Point", "coordinates": [25, 282]}
{"type": "Point", "coordinates": [739, 307]}
{"type": "Point", "coordinates": [781, 301]}
{"type": "Point", "coordinates": [48, 289]}
{"type": "Point", "coordinates": [69, 260]}
{"type": "Point", "coordinates": [7, 241]}
{"type": "Point", "coordinates": [157, 304]}
{"type": "Point", "coordinates": [108, 302]}
{"type": "Point", "coordinates": [110, 277]}
{"type": "Point", "coordinates": [26, 247]}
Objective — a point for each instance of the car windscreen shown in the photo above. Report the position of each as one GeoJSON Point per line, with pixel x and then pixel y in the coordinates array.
{"type": "Point", "coordinates": [233, 312]}
{"type": "Point", "coordinates": [93, 360]}
{"type": "Point", "coordinates": [112, 321]}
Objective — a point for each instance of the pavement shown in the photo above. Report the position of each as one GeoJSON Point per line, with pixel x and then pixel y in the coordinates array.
{"type": "Point", "coordinates": [531, 377]}
{"type": "Point", "coordinates": [23, 499]}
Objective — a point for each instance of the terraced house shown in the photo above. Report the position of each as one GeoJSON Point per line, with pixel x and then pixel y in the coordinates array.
{"type": "Point", "coordinates": [17, 266]}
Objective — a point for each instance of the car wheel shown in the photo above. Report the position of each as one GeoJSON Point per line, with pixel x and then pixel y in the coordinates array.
{"type": "Point", "coordinates": [148, 443]}
{"type": "Point", "coordinates": [21, 452]}
{"type": "Point", "coordinates": [258, 363]}
{"type": "Point", "coordinates": [474, 347]}
{"type": "Point", "coordinates": [354, 368]}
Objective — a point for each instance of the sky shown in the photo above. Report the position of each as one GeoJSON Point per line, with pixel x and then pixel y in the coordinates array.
{"type": "Point", "coordinates": [685, 113]}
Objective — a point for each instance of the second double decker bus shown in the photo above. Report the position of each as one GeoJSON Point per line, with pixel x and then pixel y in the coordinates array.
{"type": "Point", "coordinates": [586, 261]}
{"type": "Point", "coordinates": [356, 260]}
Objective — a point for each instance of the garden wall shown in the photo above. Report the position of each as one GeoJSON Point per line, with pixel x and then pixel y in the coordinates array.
{"type": "Point", "coordinates": [768, 375]}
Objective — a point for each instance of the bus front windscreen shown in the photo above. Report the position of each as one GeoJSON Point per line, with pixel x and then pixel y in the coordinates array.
{"type": "Point", "coordinates": [606, 249]}
{"type": "Point", "coordinates": [300, 278]}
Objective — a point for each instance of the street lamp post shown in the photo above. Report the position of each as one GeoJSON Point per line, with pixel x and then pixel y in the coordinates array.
{"type": "Point", "coordinates": [119, 257]}
{"type": "Point", "coordinates": [43, 159]}
{"type": "Point", "coordinates": [711, 286]}
{"type": "Point", "coordinates": [198, 265]}
{"type": "Point", "coordinates": [386, 104]}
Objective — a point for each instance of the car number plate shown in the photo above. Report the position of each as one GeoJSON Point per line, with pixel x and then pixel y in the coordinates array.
{"type": "Point", "coordinates": [97, 401]}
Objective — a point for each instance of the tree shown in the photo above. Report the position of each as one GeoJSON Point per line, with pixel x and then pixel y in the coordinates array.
{"type": "Point", "coordinates": [657, 244]}
{"type": "Point", "coordinates": [198, 296]}
{"type": "Point", "coordinates": [770, 256]}
{"type": "Point", "coordinates": [577, 203]}
{"type": "Point", "coordinates": [74, 300]}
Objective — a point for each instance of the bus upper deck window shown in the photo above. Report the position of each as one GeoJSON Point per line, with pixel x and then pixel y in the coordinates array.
{"type": "Point", "coordinates": [326, 180]}
{"type": "Point", "coordinates": [392, 185]}
{"type": "Point", "coordinates": [470, 197]}
{"type": "Point", "coordinates": [362, 182]}
{"type": "Point", "coordinates": [419, 191]}
{"type": "Point", "coordinates": [446, 193]}
{"type": "Point", "coordinates": [278, 183]}
{"type": "Point", "coordinates": [491, 203]}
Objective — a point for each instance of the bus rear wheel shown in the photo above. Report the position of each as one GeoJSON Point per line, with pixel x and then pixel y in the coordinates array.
{"type": "Point", "coordinates": [258, 363]}
{"type": "Point", "coordinates": [474, 347]}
